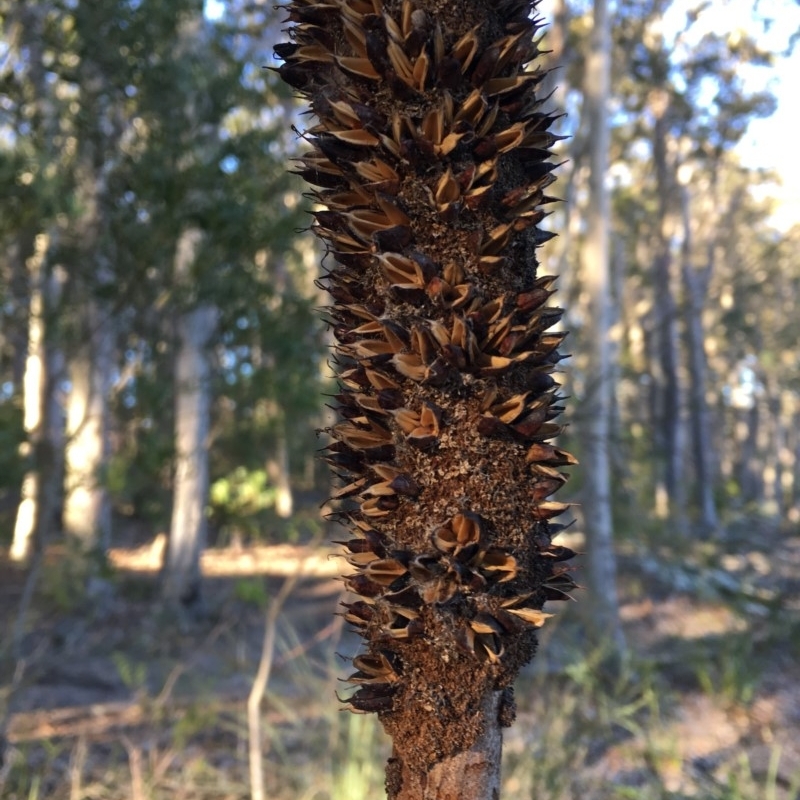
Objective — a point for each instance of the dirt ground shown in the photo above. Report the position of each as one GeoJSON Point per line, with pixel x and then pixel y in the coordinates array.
{"type": "Point", "coordinates": [105, 680]}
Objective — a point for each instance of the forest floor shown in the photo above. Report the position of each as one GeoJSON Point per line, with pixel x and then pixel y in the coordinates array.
{"type": "Point", "coordinates": [104, 695]}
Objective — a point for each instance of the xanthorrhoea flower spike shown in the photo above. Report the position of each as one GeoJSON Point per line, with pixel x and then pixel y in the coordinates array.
{"type": "Point", "coordinates": [430, 163]}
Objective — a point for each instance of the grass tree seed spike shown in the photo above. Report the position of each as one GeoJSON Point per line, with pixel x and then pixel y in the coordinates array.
{"type": "Point", "coordinates": [429, 160]}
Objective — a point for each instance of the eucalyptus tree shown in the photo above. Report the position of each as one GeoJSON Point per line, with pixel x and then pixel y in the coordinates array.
{"type": "Point", "coordinates": [683, 106]}
{"type": "Point", "coordinates": [36, 161]}
{"type": "Point", "coordinates": [202, 169]}
{"type": "Point", "coordinates": [127, 125]}
{"type": "Point", "coordinates": [596, 277]}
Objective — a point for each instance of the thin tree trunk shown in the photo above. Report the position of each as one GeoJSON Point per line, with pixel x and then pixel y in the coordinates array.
{"type": "Point", "coordinates": [773, 484]}
{"type": "Point", "coordinates": [38, 496]}
{"type": "Point", "coordinates": [278, 471]}
{"type": "Point", "coordinates": [669, 427]}
{"type": "Point", "coordinates": [87, 510]}
{"type": "Point", "coordinates": [181, 578]}
{"type": "Point", "coordinates": [16, 278]}
{"type": "Point", "coordinates": [277, 465]}
{"type": "Point", "coordinates": [18, 254]}
{"type": "Point", "coordinates": [784, 454]}
{"type": "Point", "coordinates": [256, 697]}
{"type": "Point", "coordinates": [597, 278]}
{"type": "Point", "coordinates": [34, 392]}
{"type": "Point", "coordinates": [37, 508]}
{"type": "Point", "coordinates": [618, 457]}
{"type": "Point", "coordinates": [696, 283]}
{"type": "Point", "coordinates": [55, 400]}
{"type": "Point", "coordinates": [760, 449]}
{"type": "Point", "coordinates": [794, 492]}
{"type": "Point", "coordinates": [748, 469]}
{"type": "Point", "coordinates": [728, 443]}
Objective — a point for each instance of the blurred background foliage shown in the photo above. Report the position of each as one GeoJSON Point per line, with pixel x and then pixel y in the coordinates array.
{"type": "Point", "coordinates": [177, 124]}
{"type": "Point", "coordinates": [173, 118]}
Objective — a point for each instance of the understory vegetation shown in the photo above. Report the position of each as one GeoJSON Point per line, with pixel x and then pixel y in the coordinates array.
{"type": "Point", "coordinates": [706, 708]}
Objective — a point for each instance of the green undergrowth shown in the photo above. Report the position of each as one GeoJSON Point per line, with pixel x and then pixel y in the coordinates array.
{"type": "Point", "coordinates": [590, 726]}
{"type": "Point", "coordinates": [581, 732]}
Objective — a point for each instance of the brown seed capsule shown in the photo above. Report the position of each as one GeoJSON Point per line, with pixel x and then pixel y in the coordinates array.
{"type": "Point", "coordinates": [373, 668]}
{"type": "Point", "coordinates": [359, 613]}
{"type": "Point", "coordinates": [376, 697]}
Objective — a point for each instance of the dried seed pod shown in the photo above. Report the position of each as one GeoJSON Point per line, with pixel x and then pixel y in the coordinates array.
{"type": "Point", "coordinates": [559, 553]}
{"type": "Point", "coordinates": [384, 571]}
{"type": "Point", "coordinates": [371, 698]}
{"type": "Point", "coordinates": [462, 531]}
{"type": "Point", "coordinates": [498, 565]}
{"type": "Point", "coordinates": [531, 616]}
{"type": "Point", "coordinates": [359, 613]}
{"type": "Point", "coordinates": [373, 668]}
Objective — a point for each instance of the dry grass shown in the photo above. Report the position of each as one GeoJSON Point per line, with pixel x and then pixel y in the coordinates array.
{"type": "Point", "coordinates": [710, 710]}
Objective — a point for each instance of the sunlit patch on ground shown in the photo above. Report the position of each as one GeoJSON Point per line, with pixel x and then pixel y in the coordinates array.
{"type": "Point", "coordinates": [276, 560]}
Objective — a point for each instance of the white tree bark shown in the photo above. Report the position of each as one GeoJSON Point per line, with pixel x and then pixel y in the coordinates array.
{"type": "Point", "coordinates": [38, 495]}
{"type": "Point", "coordinates": [595, 256]}
{"type": "Point", "coordinates": [670, 434]}
{"type": "Point", "coordinates": [279, 473]}
{"type": "Point", "coordinates": [87, 510]}
{"type": "Point", "coordinates": [696, 283]}
{"type": "Point", "coordinates": [42, 413]}
{"type": "Point", "coordinates": [34, 394]}
{"type": "Point", "coordinates": [188, 528]}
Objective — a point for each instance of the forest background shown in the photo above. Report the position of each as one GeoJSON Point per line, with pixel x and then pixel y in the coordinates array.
{"type": "Point", "coordinates": [162, 374]}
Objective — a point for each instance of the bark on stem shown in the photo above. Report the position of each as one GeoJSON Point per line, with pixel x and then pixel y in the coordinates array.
{"type": "Point", "coordinates": [470, 775]}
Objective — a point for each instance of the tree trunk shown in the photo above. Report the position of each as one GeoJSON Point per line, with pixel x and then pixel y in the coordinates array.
{"type": "Point", "coordinates": [431, 158]}
{"type": "Point", "coordinates": [669, 426]}
{"type": "Point", "coordinates": [794, 466]}
{"type": "Point", "coordinates": [749, 471]}
{"type": "Point", "coordinates": [16, 280]}
{"type": "Point", "coordinates": [19, 251]}
{"type": "Point", "coordinates": [87, 510]}
{"type": "Point", "coordinates": [277, 465]}
{"type": "Point", "coordinates": [278, 471]}
{"type": "Point", "coordinates": [784, 479]}
{"type": "Point", "coordinates": [619, 460]}
{"type": "Point", "coordinates": [181, 578]}
{"type": "Point", "coordinates": [775, 444]}
{"type": "Point", "coordinates": [595, 257]}
{"type": "Point", "coordinates": [37, 508]}
{"type": "Point", "coordinates": [696, 283]}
